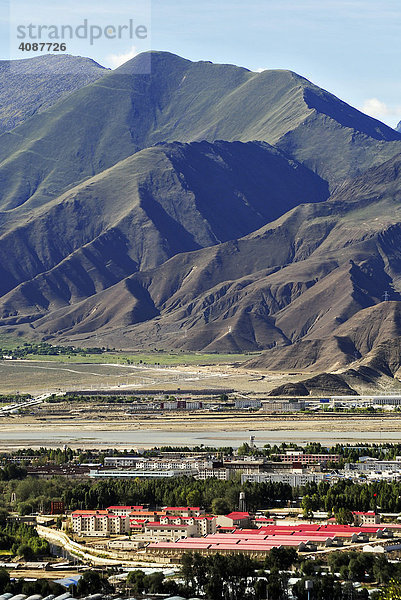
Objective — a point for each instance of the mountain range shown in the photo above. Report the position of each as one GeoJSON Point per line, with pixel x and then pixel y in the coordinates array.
{"type": "Point", "coordinates": [201, 207]}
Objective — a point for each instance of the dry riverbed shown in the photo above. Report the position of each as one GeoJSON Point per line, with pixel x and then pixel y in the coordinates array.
{"type": "Point", "coordinates": [119, 430]}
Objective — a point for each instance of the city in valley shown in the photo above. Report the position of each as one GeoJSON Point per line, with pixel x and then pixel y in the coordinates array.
{"type": "Point", "coordinates": [200, 300]}
{"type": "Point", "coordinates": [135, 472]}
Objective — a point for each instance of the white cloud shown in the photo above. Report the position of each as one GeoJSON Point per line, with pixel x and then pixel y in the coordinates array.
{"type": "Point", "coordinates": [116, 60]}
{"type": "Point", "coordinates": [390, 114]}
{"type": "Point", "coordinates": [376, 108]}
{"type": "Point", "coordinates": [382, 111]}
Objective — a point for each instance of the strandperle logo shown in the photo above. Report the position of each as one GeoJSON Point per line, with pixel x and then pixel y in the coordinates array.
{"type": "Point", "coordinates": [84, 31]}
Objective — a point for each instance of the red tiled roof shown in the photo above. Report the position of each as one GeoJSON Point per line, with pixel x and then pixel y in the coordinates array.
{"type": "Point", "coordinates": [137, 521]}
{"type": "Point", "coordinates": [181, 508]}
{"type": "Point", "coordinates": [159, 525]}
{"type": "Point", "coordinates": [124, 507]}
{"type": "Point", "coordinates": [238, 515]}
{"type": "Point", "coordinates": [367, 514]}
{"type": "Point", "coordinates": [89, 513]}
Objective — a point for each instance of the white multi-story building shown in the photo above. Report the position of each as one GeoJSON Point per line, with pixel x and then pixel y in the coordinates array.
{"type": "Point", "coordinates": [247, 403]}
{"type": "Point", "coordinates": [134, 474]}
{"type": "Point", "coordinates": [95, 523]}
{"type": "Point", "coordinates": [366, 518]}
{"type": "Point", "coordinates": [204, 524]}
{"type": "Point", "coordinates": [173, 521]}
{"type": "Point", "coordinates": [292, 479]}
{"type": "Point", "coordinates": [125, 511]}
{"type": "Point", "coordinates": [280, 406]}
{"type": "Point", "coordinates": [223, 474]}
{"type": "Point", "coordinates": [306, 459]}
{"type": "Point", "coordinates": [158, 531]}
{"type": "Point", "coordinates": [371, 464]}
{"type": "Point", "coordinates": [155, 464]}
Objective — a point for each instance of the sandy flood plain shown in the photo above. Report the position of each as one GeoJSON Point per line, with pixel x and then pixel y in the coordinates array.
{"type": "Point", "coordinates": [184, 429]}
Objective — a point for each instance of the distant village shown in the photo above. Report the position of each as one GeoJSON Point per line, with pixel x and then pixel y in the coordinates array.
{"type": "Point", "coordinates": [172, 530]}
{"type": "Point", "coordinates": [292, 467]}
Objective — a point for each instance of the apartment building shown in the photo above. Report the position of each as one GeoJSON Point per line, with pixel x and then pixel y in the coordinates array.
{"type": "Point", "coordinates": [183, 511]}
{"type": "Point", "coordinates": [293, 479]}
{"type": "Point", "coordinates": [156, 464]}
{"type": "Point", "coordinates": [366, 518]}
{"type": "Point", "coordinates": [371, 464]}
{"type": "Point", "coordinates": [307, 459]}
{"type": "Point", "coordinates": [169, 532]}
{"type": "Point", "coordinates": [279, 406]}
{"type": "Point", "coordinates": [223, 474]}
{"type": "Point", "coordinates": [247, 403]}
{"type": "Point", "coordinates": [125, 511]}
{"type": "Point", "coordinates": [137, 473]}
{"type": "Point", "coordinates": [118, 520]}
{"type": "Point", "coordinates": [204, 524]}
{"type": "Point", "coordinates": [99, 523]}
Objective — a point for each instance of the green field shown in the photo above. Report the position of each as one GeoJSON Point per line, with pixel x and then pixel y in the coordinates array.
{"type": "Point", "coordinates": [45, 352]}
{"type": "Point", "coordinates": [146, 358]}
{"type": "Point", "coordinates": [9, 342]}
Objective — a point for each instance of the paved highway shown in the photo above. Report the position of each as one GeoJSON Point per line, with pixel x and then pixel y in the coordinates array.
{"type": "Point", "coordinates": [15, 408]}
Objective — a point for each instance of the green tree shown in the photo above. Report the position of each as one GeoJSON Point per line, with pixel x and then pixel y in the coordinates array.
{"type": "Point", "coordinates": [307, 506]}
{"type": "Point", "coordinates": [136, 581]}
{"type": "Point", "coordinates": [281, 558]}
{"type": "Point", "coordinates": [277, 584]}
{"type": "Point", "coordinates": [392, 591]}
{"type": "Point", "coordinates": [26, 552]}
{"type": "Point", "coordinates": [220, 506]}
{"type": "Point", "coordinates": [93, 582]}
{"type": "Point", "coordinates": [244, 450]}
{"type": "Point", "coordinates": [154, 583]}
{"type": "Point", "coordinates": [344, 516]}
{"type": "Point", "coordinates": [193, 498]}
{"type": "Point", "coordinates": [4, 579]}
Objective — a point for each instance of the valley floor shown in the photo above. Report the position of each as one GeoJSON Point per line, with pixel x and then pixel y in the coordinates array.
{"type": "Point", "coordinates": [91, 424]}
{"type": "Point", "coordinates": [43, 376]}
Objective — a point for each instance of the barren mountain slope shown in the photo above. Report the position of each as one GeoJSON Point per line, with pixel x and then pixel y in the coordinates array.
{"type": "Point", "coordinates": [161, 201]}
{"type": "Point", "coordinates": [299, 283]}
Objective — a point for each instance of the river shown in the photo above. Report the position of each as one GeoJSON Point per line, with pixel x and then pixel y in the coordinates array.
{"type": "Point", "coordinates": [109, 438]}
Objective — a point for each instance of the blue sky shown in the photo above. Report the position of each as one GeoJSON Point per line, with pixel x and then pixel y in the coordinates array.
{"type": "Point", "coordinates": [350, 47]}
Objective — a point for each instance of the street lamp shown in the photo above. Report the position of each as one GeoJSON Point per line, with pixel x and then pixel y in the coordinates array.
{"type": "Point", "coordinates": [309, 587]}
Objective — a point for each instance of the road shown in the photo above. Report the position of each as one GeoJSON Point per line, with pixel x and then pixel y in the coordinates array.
{"type": "Point", "coordinates": [93, 557]}
{"type": "Point", "coordinates": [17, 406]}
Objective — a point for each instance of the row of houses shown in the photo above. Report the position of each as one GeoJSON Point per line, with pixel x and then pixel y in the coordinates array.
{"type": "Point", "coordinates": [224, 469]}
{"type": "Point", "coordinates": [170, 522]}
{"type": "Point", "coordinates": [259, 541]}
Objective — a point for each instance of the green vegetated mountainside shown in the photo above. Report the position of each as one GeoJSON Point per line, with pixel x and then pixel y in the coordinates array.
{"type": "Point", "coordinates": [148, 209]}
{"type": "Point", "coordinates": [129, 110]}
{"type": "Point", "coordinates": [31, 85]}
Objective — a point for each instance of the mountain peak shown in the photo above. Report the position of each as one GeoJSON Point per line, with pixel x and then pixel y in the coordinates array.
{"type": "Point", "coordinates": [145, 62]}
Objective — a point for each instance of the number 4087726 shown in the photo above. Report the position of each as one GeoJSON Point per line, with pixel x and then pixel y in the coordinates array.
{"type": "Point", "coordinates": [42, 47]}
